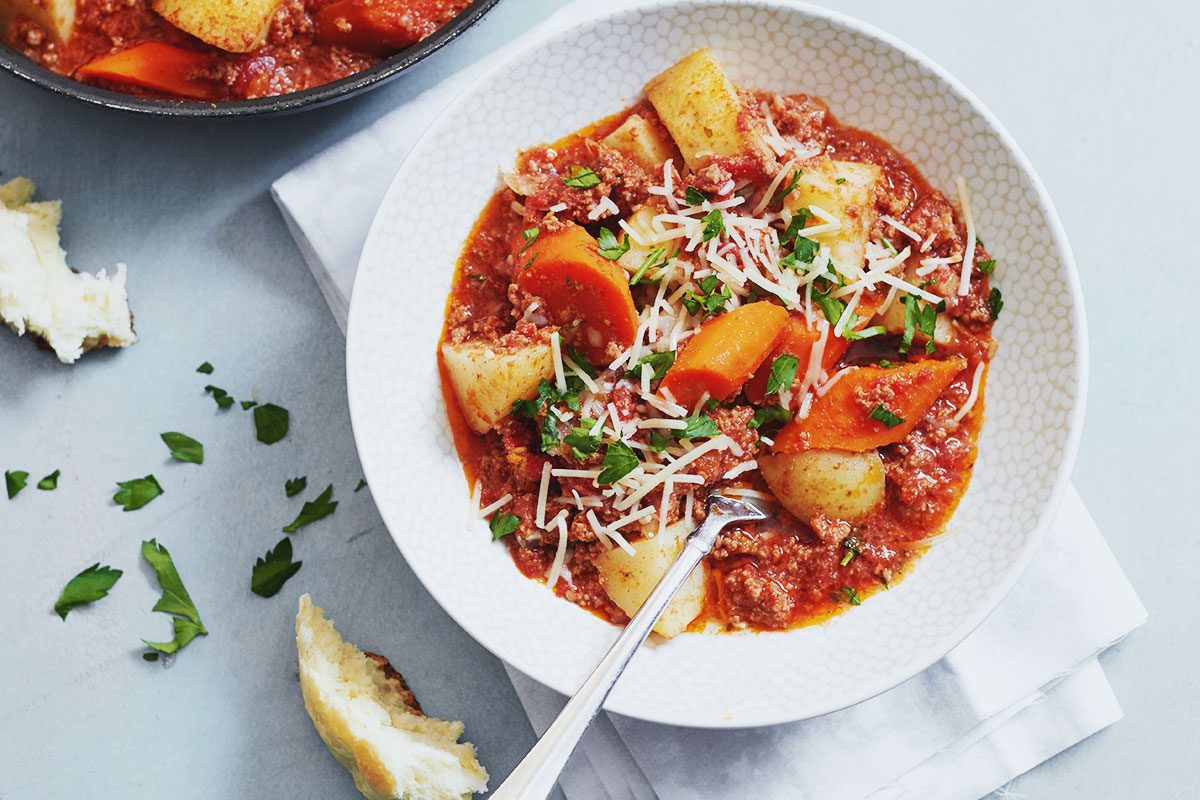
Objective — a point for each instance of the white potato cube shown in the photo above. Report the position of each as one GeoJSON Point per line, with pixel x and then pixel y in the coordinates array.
{"type": "Point", "coordinates": [56, 16]}
{"type": "Point", "coordinates": [852, 202]}
{"type": "Point", "coordinates": [642, 223]}
{"type": "Point", "coordinates": [835, 483]}
{"type": "Point", "coordinates": [648, 146]}
{"type": "Point", "coordinates": [487, 380]}
{"type": "Point", "coordinates": [700, 107]}
{"type": "Point", "coordinates": [629, 579]}
{"type": "Point", "coordinates": [237, 27]}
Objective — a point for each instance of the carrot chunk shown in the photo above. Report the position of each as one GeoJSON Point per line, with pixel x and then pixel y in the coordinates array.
{"type": "Point", "coordinates": [726, 352]}
{"type": "Point", "coordinates": [870, 407]}
{"type": "Point", "coordinates": [379, 26]}
{"type": "Point", "coordinates": [580, 285]}
{"type": "Point", "coordinates": [153, 65]}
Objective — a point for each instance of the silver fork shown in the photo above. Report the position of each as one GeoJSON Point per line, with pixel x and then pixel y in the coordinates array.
{"type": "Point", "coordinates": [535, 776]}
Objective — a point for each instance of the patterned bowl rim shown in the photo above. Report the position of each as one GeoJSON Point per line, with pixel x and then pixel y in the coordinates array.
{"type": "Point", "coordinates": [1062, 251]}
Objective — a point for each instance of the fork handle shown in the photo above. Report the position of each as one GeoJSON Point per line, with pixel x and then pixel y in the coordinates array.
{"type": "Point", "coordinates": [535, 776]}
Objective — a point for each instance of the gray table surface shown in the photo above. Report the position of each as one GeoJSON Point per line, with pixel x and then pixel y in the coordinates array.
{"type": "Point", "coordinates": [1095, 90]}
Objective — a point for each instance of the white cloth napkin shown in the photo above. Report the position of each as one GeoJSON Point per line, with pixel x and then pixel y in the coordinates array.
{"type": "Point", "coordinates": [1025, 686]}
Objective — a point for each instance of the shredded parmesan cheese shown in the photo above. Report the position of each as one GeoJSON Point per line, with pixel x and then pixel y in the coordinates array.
{"type": "Point", "coordinates": [484, 513]}
{"type": "Point", "coordinates": [560, 555]}
{"type": "Point", "coordinates": [967, 406]}
{"type": "Point", "coordinates": [968, 262]}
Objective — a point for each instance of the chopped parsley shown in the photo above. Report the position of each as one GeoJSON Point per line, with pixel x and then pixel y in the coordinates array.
{"type": "Point", "coordinates": [272, 571]}
{"type": "Point", "coordinates": [850, 595]}
{"type": "Point", "coordinates": [694, 196]}
{"type": "Point", "coordinates": [248, 404]}
{"type": "Point", "coordinates": [362, 484]}
{"type": "Point", "coordinates": [87, 587]}
{"type": "Point", "coordinates": [995, 303]}
{"type": "Point", "coordinates": [183, 447]}
{"type": "Point", "coordinates": [221, 396]}
{"type": "Point", "coordinates": [581, 440]}
{"type": "Point", "coordinates": [270, 423]}
{"type": "Point", "coordinates": [50, 482]}
{"type": "Point", "coordinates": [651, 262]}
{"type": "Point", "coordinates": [700, 426]}
{"type": "Point", "coordinates": [839, 181]}
{"type": "Point", "coordinates": [502, 524]}
{"type": "Point", "coordinates": [14, 481]}
{"type": "Point", "coordinates": [175, 601]}
{"type": "Point", "coordinates": [919, 316]}
{"type": "Point", "coordinates": [783, 372]}
{"type": "Point", "coordinates": [832, 306]}
{"type": "Point", "coordinates": [137, 492]}
{"type": "Point", "coordinates": [313, 510]}
{"type": "Point", "coordinates": [886, 364]}
{"type": "Point", "coordinates": [530, 236]}
{"type": "Point", "coordinates": [770, 415]}
{"type": "Point", "coordinates": [795, 227]}
{"type": "Point", "coordinates": [851, 335]}
{"type": "Point", "coordinates": [205, 368]}
{"type": "Point", "coordinates": [802, 256]}
{"type": "Point", "coordinates": [785, 191]}
{"type": "Point", "coordinates": [659, 442]}
{"type": "Point", "coordinates": [609, 247]}
{"type": "Point", "coordinates": [889, 419]}
{"type": "Point", "coordinates": [714, 225]}
{"type": "Point", "coordinates": [580, 177]}
{"type": "Point", "coordinates": [709, 300]}
{"type": "Point", "coordinates": [987, 267]}
{"type": "Point", "coordinates": [658, 362]}
{"type": "Point", "coordinates": [619, 461]}
{"type": "Point", "coordinates": [853, 548]}
{"type": "Point", "coordinates": [295, 486]}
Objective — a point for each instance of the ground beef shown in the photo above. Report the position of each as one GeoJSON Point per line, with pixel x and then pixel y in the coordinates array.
{"type": "Point", "coordinates": [925, 468]}
{"type": "Point", "coordinates": [753, 598]}
{"type": "Point", "coordinates": [732, 421]}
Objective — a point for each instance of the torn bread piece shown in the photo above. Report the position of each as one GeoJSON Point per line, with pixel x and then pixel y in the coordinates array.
{"type": "Point", "coordinates": [371, 722]}
{"type": "Point", "coordinates": [40, 295]}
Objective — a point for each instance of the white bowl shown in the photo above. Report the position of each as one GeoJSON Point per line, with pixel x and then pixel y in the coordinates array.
{"type": "Point", "coordinates": [574, 76]}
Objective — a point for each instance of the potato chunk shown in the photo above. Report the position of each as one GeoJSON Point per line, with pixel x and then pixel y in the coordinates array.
{"type": "Point", "coordinates": [648, 146]}
{"type": "Point", "coordinates": [629, 579]}
{"type": "Point", "coordinates": [487, 380]}
{"type": "Point", "coordinates": [56, 16]}
{"type": "Point", "coordinates": [852, 201]}
{"type": "Point", "coordinates": [835, 483]}
{"type": "Point", "coordinates": [700, 107]}
{"type": "Point", "coordinates": [237, 27]}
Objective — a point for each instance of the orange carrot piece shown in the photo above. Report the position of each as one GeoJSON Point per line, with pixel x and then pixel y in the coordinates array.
{"type": "Point", "coordinates": [153, 65]}
{"type": "Point", "coordinates": [799, 339]}
{"type": "Point", "coordinates": [578, 284]}
{"type": "Point", "coordinates": [378, 26]}
{"type": "Point", "coordinates": [726, 352]}
{"type": "Point", "coordinates": [841, 420]}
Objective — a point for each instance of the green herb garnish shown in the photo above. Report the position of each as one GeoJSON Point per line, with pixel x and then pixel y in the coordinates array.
{"type": "Point", "coordinates": [785, 191]}
{"type": "Point", "coordinates": [987, 267]}
{"type": "Point", "coordinates": [619, 461]}
{"type": "Point", "coordinates": [14, 481]}
{"type": "Point", "coordinates": [137, 492]}
{"type": "Point", "coordinates": [852, 546]}
{"type": "Point", "coordinates": [295, 486]}
{"type": "Point", "coordinates": [530, 236]}
{"type": "Point", "coordinates": [851, 335]}
{"type": "Point", "coordinates": [995, 303]}
{"type": "Point", "coordinates": [783, 372]}
{"type": "Point", "coordinates": [768, 416]}
{"type": "Point", "coordinates": [175, 600]}
{"type": "Point", "coordinates": [919, 316]}
{"type": "Point", "coordinates": [248, 404]}
{"type": "Point", "coordinates": [272, 571]}
{"type": "Point", "coordinates": [659, 442]}
{"type": "Point", "coordinates": [580, 177]}
{"type": "Point", "coordinates": [221, 396]}
{"type": "Point", "coordinates": [709, 300]}
{"type": "Point", "coordinates": [850, 595]}
{"type": "Point", "coordinates": [881, 414]}
{"type": "Point", "coordinates": [700, 426]}
{"type": "Point", "coordinates": [205, 368]}
{"type": "Point", "coordinates": [313, 510]}
{"type": "Point", "coordinates": [714, 225]}
{"type": "Point", "coordinates": [694, 196]}
{"type": "Point", "coordinates": [362, 484]}
{"type": "Point", "coordinates": [50, 482]}
{"type": "Point", "coordinates": [502, 524]}
{"type": "Point", "coordinates": [651, 262]}
{"type": "Point", "coordinates": [609, 247]}
{"type": "Point", "coordinates": [184, 447]}
{"type": "Point", "coordinates": [658, 362]}
{"type": "Point", "coordinates": [270, 423]}
{"type": "Point", "coordinates": [87, 587]}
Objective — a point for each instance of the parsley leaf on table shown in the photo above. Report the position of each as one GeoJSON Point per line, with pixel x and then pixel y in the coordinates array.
{"type": "Point", "coordinates": [272, 571]}
{"type": "Point", "coordinates": [50, 482]}
{"type": "Point", "coordinates": [14, 481]}
{"type": "Point", "coordinates": [87, 587]}
{"type": "Point", "coordinates": [362, 484]}
{"type": "Point", "coordinates": [175, 600]}
{"type": "Point", "coordinates": [221, 396]}
{"type": "Point", "coordinates": [137, 492]}
{"type": "Point", "coordinates": [183, 447]}
{"type": "Point", "coordinates": [295, 486]}
{"type": "Point", "coordinates": [313, 510]}
{"type": "Point", "coordinates": [205, 368]}
{"type": "Point", "coordinates": [270, 423]}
